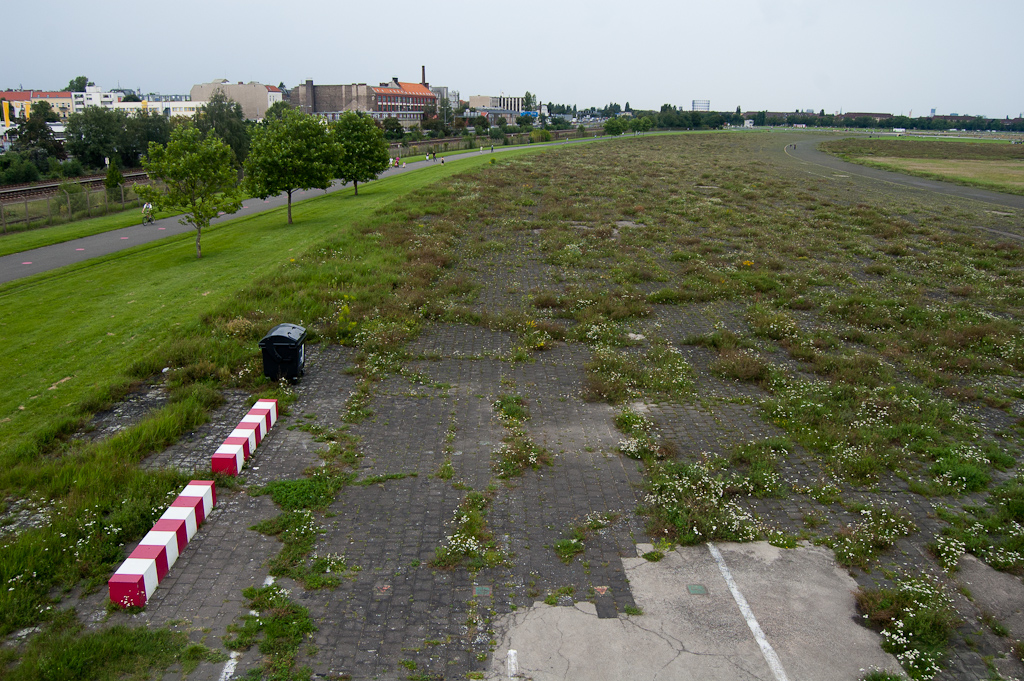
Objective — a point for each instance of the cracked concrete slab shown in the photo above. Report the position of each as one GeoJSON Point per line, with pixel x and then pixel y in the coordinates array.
{"type": "Point", "coordinates": [802, 601]}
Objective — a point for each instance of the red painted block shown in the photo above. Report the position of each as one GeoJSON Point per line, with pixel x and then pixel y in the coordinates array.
{"type": "Point", "coordinates": [134, 582]}
{"type": "Point", "coordinates": [195, 504]}
{"type": "Point", "coordinates": [213, 489]}
{"type": "Point", "coordinates": [157, 554]}
{"type": "Point", "coordinates": [228, 459]}
{"type": "Point", "coordinates": [176, 525]}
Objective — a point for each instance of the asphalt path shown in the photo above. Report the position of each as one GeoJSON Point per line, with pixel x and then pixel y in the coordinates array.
{"type": "Point", "coordinates": [820, 163]}
{"type": "Point", "coordinates": [27, 263]}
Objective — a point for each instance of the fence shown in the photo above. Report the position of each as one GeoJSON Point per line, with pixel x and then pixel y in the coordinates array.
{"type": "Point", "coordinates": [74, 202]}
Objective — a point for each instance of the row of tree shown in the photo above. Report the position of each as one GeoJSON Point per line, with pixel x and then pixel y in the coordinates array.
{"type": "Point", "coordinates": [288, 151]}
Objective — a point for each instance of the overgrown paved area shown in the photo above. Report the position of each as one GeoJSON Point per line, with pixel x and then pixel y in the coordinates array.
{"type": "Point", "coordinates": [666, 340]}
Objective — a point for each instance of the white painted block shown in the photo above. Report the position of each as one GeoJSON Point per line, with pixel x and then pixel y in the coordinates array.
{"type": "Point", "coordinates": [183, 513]}
{"type": "Point", "coordinates": [260, 422]}
{"type": "Point", "coordinates": [246, 433]}
{"type": "Point", "coordinates": [168, 540]}
{"type": "Point", "coordinates": [204, 491]}
{"type": "Point", "coordinates": [141, 566]}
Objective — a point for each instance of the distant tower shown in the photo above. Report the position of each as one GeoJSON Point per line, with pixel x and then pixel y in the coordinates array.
{"type": "Point", "coordinates": [701, 105]}
{"type": "Point", "coordinates": [933, 113]}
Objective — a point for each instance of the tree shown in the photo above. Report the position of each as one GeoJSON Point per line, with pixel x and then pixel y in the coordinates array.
{"type": "Point", "coordinates": [361, 152]}
{"type": "Point", "coordinates": [114, 179]}
{"type": "Point", "coordinates": [93, 135]}
{"type": "Point", "coordinates": [500, 122]}
{"type": "Point", "coordinates": [581, 131]}
{"type": "Point", "coordinates": [293, 151]}
{"type": "Point", "coordinates": [131, 97]}
{"type": "Point", "coordinates": [200, 177]}
{"type": "Point", "coordinates": [614, 126]}
{"type": "Point", "coordinates": [393, 129]}
{"type": "Point", "coordinates": [276, 110]}
{"type": "Point", "coordinates": [140, 129]}
{"type": "Point", "coordinates": [79, 83]}
{"type": "Point", "coordinates": [525, 121]}
{"type": "Point", "coordinates": [529, 101]}
{"type": "Point", "coordinates": [34, 133]}
{"type": "Point", "coordinates": [480, 124]}
{"type": "Point", "coordinates": [224, 117]}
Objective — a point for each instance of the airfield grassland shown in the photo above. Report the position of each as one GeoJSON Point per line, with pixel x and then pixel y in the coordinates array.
{"type": "Point", "coordinates": [995, 166]}
{"type": "Point", "coordinates": [877, 339]}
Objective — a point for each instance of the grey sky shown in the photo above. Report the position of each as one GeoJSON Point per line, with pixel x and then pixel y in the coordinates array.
{"type": "Point", "coordinates": [867, 55]}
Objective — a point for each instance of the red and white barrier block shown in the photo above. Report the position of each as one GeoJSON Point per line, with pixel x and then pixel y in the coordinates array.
{"type": "Point", "coordinates": [137, 578]}
{"type": "Point", "coordinates": [243, 440]}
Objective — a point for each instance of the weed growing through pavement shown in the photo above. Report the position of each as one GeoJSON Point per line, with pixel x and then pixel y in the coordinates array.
{"type": "Point", "coordinates": [277, 628]}
{"type": "Point", "coordinates": [471, 541]}
{"type": "Point", "coordinates": [879, 528]}
{"type": "Point", "coordinates": [517, 451]}
{"type": "Point", "coordinates": [916, 619]}
{"type": "Point", "coordinates": [568, 547]}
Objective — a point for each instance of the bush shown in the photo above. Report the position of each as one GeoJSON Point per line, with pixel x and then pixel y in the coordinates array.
{"type": "Point", "coordinates": [540, 136]}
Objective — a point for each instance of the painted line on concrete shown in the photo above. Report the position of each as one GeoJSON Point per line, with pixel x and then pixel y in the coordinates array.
{"type": "Point", "coordinates": [229, 666]}
{"type": "Point", "coordinates": [762, 641]}
{"type": "Point", "coordinates": [513, 664]}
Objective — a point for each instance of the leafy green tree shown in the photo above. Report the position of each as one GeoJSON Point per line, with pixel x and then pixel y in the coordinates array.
{"type": "Point", "coordinates": [199, 175]}
{"type": "Point", "coordinates": [276, 109]}
{"type": "Point", "coordinates": [525, 121]}
{"type": "Point", "coordinates": [131, 97]}
{"type": "Point", "coordinates": [93, 135]}
{"type": "Point", "coordinates": [224, 118]}
{"type": "Point", "coordinates": [614, 126]}
{"type": "Point", "coordinates": [15, 169]}
{"type": "Point", "coordinates": [289, 152]}
{"type": "Point", "coordinates": [114, 179]}
{"type": "Point", "coordinates": [481, 124]}
{"type": "Point", "coordinates": [79, 83]}
{"type": "Point", "coordinates": [140, 129]}
{"type": "Point", "coordinates": [361, 153]}
{"type": "Point", "coordinates": [582, 131]}
{"type": "Point", "coordinates": [500, 122]}
{"type": "Point", "coordinates": [495, 133]}
{"type": "Point", "coordinates": [33, 133]}
{"type": "Point", "coordinates": [393, 129]}
{"type": "Point", "coordinates": [540, 136]}
{"type": "Point", "coordinates": [529, 101]}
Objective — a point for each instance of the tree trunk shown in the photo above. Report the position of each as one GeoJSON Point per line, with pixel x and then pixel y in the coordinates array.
{"type": "Point", "coordinates": [199, 233]}
{"type": "Point", "coordinates": [289, 206]}
{"type": "Point", "coordinates": [355, 186]}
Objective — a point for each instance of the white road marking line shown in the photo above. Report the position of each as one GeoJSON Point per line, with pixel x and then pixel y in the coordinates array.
{"type": "Point", "coordinates": [513, 664]}
{"type": "Point", "coordinates": [766, 649]}
{"type": "Point", "coordinates": [229, 666]}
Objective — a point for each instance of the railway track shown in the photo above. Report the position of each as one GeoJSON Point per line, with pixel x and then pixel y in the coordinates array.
{"type": "Point", "coordinates": [20, 192]}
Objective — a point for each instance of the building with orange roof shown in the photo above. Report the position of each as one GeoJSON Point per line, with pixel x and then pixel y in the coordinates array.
{"type": "Point", "coordinates": [21, 101]}
{"type": "Point", "coordinates": [391, 99]}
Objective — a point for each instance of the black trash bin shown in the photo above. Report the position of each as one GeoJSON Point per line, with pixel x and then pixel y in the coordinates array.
{"type": "Point", "coordinates": [284, 353]}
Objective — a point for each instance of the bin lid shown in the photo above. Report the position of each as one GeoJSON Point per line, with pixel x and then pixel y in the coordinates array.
{"type": "Point", "coordinates": [284, 334]}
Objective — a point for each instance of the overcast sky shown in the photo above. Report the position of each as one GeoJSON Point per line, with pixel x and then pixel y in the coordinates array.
{"type": "Point", "coordinates": [893, 56]}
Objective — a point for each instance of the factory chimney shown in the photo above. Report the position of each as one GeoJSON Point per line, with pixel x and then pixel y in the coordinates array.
{"type": "Point", "coordinates": [423, 70]}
